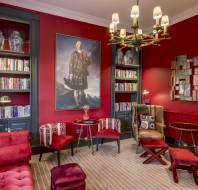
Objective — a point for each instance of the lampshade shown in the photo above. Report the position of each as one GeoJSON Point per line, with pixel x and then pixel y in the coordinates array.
{"type": "Point", "coordinates": [145, 92]}
{"type": "Point", "coordinates": [139, 31]}
{"type": "Point", "coordinates": [111, 28]}
{"type": "Point", "coordinates": [115, 18]}
{"type": "Point", "coordinates": [165, 20]}
{"type": "Point", "coordinates": [135, 11]}
{"type": "Point", "coordinates": [5, 99]}
{"type": "Point", "coordinates": [157, 13]}
{"type": "Point", "coordinates": [123, 33]}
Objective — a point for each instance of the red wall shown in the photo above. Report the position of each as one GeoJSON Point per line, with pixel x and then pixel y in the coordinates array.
{"type": "Point", "coordinates": [156, 71]}
{"type": "Point", "coordinates": [49, 26]}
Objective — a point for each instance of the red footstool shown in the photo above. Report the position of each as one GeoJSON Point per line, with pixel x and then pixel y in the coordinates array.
{"type": "Point", "coordinates": [68, 177]}
{"type": "Point", "coordinates": [155, 148]}
{"type": "Point", "coordinates": [183, 159]}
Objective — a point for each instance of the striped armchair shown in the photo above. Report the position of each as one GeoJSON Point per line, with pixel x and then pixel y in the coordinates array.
{"type": "Point", "coordinates": [109, 128]}
{"type": "Point", "coordinates": [53, 136]}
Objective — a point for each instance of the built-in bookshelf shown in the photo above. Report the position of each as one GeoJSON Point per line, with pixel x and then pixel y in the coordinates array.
{"type": "Point", "coordinates": [19, 70]}
{"type": "Point", "coordinates": [125, 85]}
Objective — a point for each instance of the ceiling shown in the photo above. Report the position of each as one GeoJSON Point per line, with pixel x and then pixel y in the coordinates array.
{"type": "Point", "coordinates": [99, 11]}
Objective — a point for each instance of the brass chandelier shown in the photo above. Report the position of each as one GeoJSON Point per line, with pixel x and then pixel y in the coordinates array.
{"type": "Point", "coordinates": [137, 38]}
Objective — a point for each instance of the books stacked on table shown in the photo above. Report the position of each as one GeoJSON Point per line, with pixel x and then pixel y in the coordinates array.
{"type": "Point", "coordinates": [14, 111]}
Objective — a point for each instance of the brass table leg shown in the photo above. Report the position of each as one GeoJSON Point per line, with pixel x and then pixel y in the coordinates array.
{"type": "Point", "coordinates": [81, 129]}
{"type": "Point", "coordinates": [91, 139]}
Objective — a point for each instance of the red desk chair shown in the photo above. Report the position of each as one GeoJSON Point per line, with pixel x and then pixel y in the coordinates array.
{"type": "Point", "coordinates": [53, 136]}
{"type": "Point", "coordinates": [108, 128]}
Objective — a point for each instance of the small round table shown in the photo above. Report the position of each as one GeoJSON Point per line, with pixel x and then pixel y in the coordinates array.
{"type": "Point", "coordinates": [89, 124]}
{"type": "Point", "coordinates": [186, 127]}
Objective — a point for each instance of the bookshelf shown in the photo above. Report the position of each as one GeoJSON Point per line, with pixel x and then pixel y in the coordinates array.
{"type": "Point", "coordinates": [19, 71]}
{"type": "Point", "coordinates": [126, 74]}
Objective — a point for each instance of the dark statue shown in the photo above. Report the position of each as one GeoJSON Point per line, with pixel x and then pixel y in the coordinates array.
{"type": "Point", "coordinates": [16, 41]}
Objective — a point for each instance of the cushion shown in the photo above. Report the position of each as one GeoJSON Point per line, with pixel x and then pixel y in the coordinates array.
{"type": "Point", "coordinates": [147, 122]}
{"type": "Point", "coordinates": [108, 133]}
{"type": "Point", "coordinates": [149, 133]}
{"type": "Point", "coordinates": [19, 137]}
{"type": "Point", "coordinates": [154, 143]}
{"type": "Point", "coordinates": [17, 177]}
{"type": "Point", "coordinates": [14, 154]}
{"type": "Point", "coordinates": [67, 174]}
{"type": "Point", "coordinates": [4, 139]}
{"type": "Point", "coordinates": [58, 142]}
{"type": "Point", "coordinates": [183, 156]}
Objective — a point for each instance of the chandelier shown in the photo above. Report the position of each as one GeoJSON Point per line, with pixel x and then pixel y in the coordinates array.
{"type": "Point", "coordinates": [137, 38]}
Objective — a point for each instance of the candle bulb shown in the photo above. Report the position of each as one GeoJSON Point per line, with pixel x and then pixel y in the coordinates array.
{"type": "Point", "coordinates": [115, 18]}
{"type": "Point", "coordinates": [123, 33]}
{"type": "Point", "coordinates": [111, 28]}
{"type": "Point", "coordinates": [135, 15]}
{"type": "Point", "coordinates": [165, 23]}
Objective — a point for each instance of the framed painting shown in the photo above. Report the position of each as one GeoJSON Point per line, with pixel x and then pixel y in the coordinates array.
{"type": "Point", "coordinates": [77, 72]}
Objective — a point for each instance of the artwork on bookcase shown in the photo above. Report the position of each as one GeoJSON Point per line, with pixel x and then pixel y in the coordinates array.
{"type": "Point", "coordinates": [184, 78]}
{"type": "Point", "coordinates": [77, 72]}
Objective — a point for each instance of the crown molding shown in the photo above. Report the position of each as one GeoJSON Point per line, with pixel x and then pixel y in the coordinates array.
{"type": "Point", "coordinates": [66, 13]}
{"type": "Point", "coordinates": [58, 11]}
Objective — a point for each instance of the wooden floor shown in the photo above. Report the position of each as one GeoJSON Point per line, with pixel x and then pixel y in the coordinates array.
{"type": "Point", "coordinates": [108, 170]}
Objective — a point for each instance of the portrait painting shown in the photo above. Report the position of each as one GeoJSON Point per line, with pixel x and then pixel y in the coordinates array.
{"type": "Point", "coordinates": [77, 72]}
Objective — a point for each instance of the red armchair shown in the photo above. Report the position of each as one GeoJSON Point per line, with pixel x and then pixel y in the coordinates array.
{"type": "Point", "coordinates": [53, 136]}
{"type": "Point", "coordinates": [15, 153]}
{"type": "Point", "coordinates": [108, 128]}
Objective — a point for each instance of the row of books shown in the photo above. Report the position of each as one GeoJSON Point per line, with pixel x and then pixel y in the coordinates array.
{"type": "Point", "coordinates": [7, 64]}
{"type": "Point", "coordinates": [14, 111]}
{"type": "Point", "coordinates": [7, 83]}
{"type": "Point", "coordinates": [129, 87]}
{"type": "Point", "coordinates": [124, 106]}
{"type": "Point", "coordinates": [125, 74]}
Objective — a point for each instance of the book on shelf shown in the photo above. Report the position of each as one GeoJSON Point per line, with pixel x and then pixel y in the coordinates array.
{"type": "Point", "coordinates": [14, 111]}
{"type": "Point", "coordinates": [8, 64]}
{"type": "Point", "coordinates": [125, 74]}
{"type": "Point", "coordinates": [128, 87]}
{"type": "Point", "coordinates": [9, 83]}
{"type": "Point", "coordinates": [124, 106]}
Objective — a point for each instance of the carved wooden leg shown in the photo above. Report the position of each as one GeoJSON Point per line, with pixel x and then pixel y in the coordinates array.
{"type": "Point", "coordinates": [175, 177]}
{"type": "Point", "coordinates": [41, 152]}
{"type": "Point", "coordinates": [118, 142]}
{"type": "Point", "coordinates": [72, 150]}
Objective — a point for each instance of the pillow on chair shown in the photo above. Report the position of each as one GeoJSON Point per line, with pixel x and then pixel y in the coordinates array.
{"type": "Point", "coordinates": [147, 122]}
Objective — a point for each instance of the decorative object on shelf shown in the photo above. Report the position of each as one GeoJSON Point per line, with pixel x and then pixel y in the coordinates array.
{"type": "Point", "coordinates": [128, 57]}
{"type": "Point", "coordinates": [138, 39]}
{"type": "Point", "coordinates": [77, 72]}
{"type": "Point", "coordinates": [119, 57]}
{"type": "Point", "coordinates": [5, 100]}
{"type": "Point", "coordinates": [184, 78]}
{"type": "Point", "coordinates": [86, 112]}
{"type": "Point", "coordinates": [16, 41]}
{"type": "Point", "coordinates": [145, 94]}
{"type": "Point", "coordinates": [2, 40]}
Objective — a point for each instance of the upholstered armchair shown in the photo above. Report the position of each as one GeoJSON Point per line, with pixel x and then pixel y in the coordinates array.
{"type": "Point", "coordinates": [158, 114]}
{"type": "Point", "coordinates": [54, 137]}
{"type": "Point", "coordinates": [109, 128]}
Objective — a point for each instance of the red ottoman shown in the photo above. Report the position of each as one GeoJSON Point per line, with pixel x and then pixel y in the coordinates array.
{"type": "Point", "coordinates": [155, 148]}
{"type": "Point", "coordinates": [183, 159]}
{"type": "Point", "coordinates": [68, 177]}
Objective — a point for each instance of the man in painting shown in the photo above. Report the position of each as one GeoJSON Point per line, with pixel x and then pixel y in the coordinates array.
{"type": "Point", "coordinates": [79, 61]}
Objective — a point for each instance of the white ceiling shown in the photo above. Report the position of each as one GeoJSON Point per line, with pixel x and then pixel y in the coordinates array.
{"type": "Point", "coordinates": [99, 11]}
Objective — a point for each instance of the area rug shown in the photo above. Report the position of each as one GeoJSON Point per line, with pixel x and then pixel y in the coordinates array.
{"type": "Point", "coordinates": [108, 170]}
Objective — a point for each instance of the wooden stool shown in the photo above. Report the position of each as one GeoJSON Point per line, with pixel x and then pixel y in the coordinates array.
{"type": "Point", "coordinates": [183, 159]}
{"type": "Point", "coordinates": [68, 177]}
{"type": "Point", "coordinates": [155, 148]}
